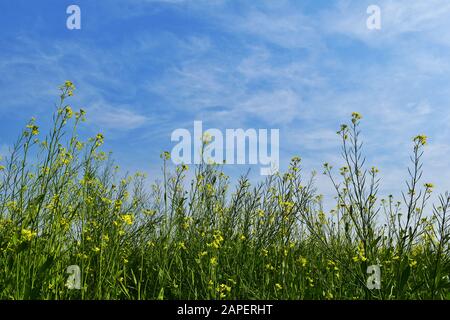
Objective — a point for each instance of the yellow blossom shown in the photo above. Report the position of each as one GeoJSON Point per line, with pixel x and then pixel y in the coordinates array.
{"type": "Point", "coordinates": [223, 290]}
{"type": "Point", "coordinates": [28, 235]}
{"type": "Point", "coordinates": [421, 139]}
{"type": "Point", "coordinates": [34, 129]}
{"type": "Point", "coordinates": [69, 112]}
{"type": "Point", "coordinates": [127, 218]}
{"type": "Point", "coordinates": [356, 116]}
{"type": "Point", "coordinates": [303, 261]}
{"type": "Point", "coordinates": [149, 212]}
{"type": "Point", "coordinates": [270, 267]}
{"type": "Point", "coordinates": [99, 139]}
{"type": "Point", "coordinates": [69, 84]}
{"type": "Point", "coordinates": [310, 281]}
{"type": "Point", "coordinates": [429, 186]}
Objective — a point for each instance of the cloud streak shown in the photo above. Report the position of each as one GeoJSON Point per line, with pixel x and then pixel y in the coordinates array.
{"type": "Point", "coordinates": [150, 67]}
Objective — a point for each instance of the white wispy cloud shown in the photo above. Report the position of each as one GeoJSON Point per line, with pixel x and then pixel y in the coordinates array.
{"type": "Point", "coordinates": [44, 70]}
{"type": "Point", "coordinates": [116, 118]}
{"type": "Point", "coordinates": [266, 64]}
{"type": "Point", "coordinates": [399, 18]}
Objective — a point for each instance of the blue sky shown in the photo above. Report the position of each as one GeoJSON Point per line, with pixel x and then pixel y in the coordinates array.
{"type": "Point", "coordinates": [144, 68]}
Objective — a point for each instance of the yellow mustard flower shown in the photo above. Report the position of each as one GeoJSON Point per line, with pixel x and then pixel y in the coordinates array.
{"type": "Point", "coordinates": [69, 112]}
{"type": "Point", "coordinates": [264, 252]}
{"type": "Point", "coordinates": [421, 139]}
{"type": "Point", "coordinates": [303, 261]}
{"type": "Point", "coordinates": [127, 218]}
{"type": "Point", "coordinates": [181, 245]}
{"type": "Point", "coordinates": [28, 234]}
{"type": "Point", "coordinates": [356, 116]}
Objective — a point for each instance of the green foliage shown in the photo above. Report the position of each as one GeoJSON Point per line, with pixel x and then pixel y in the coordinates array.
{"type": "Point", "coordinates": [201, 240]}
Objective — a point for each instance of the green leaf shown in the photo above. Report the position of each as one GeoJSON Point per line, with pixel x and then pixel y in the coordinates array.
{"type": "Point", "coordinates": [404, 277]}
{"type": "Point", "coordinates": [161, 294]}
